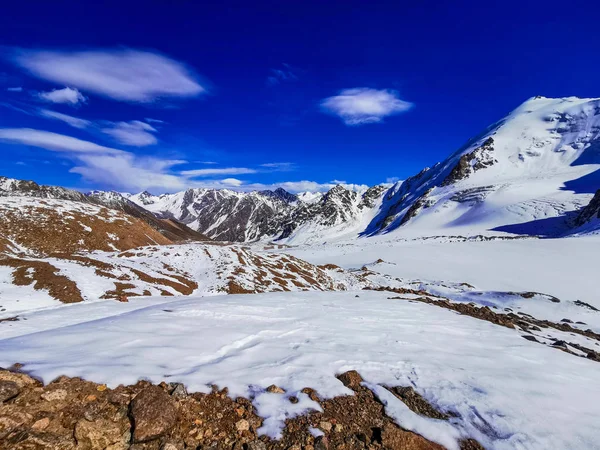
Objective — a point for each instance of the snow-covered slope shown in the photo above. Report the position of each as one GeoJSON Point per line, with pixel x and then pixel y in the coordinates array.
{"type": "Point", "coordinates": [526, 174]}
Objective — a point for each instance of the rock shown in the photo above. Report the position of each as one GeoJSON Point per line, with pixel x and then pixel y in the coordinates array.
{"type": "Point", "coordinates": [41, 424]}
{"type": "Point", "coordinates": [8, 390]}
{"type": "Point", "coordinates": [294, 447]}
{"type": "Point", "coordinates": [56, 394]}
{"type": "Point", "coordinates": [325, 426]}
{"type": "Point", "coordinates": [153, 413]}
{"type": "Point", "coordinates": [530, 338]}
{"type": "Point", "coordinates": [257, 445]}
{"type": "Point", "coordinates": [351, 379]}
{"type": "Point", "coordinates": [172, 445]}
{"type": "Point", "coordinates": [123, 299]}
{"type": "Point", "coordinates": [275, 389]}
{"type": "Point", "coordinates": [321, 443]}
{"type": "Point", "coordinates": [394, 437]}
{"type": "Point", "coordinates": [101, 434]}
{"type": "Point", "coordinates": [179, 391]}
{"type": "Point", "coordinates": [20, 379]}
{"type": "Point", "coordinates": [242, 425]}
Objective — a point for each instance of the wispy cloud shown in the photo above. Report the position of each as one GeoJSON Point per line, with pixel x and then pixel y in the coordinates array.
{"type": "Point", "coordinates": [53, 141]}
{"type": "Point", "coordinates": [121, 74]}
{"type": "Point", "coordinates": [134, 133]}
{"type": "Point", "coordinates": [15, 89]}
{"type": "Point", "coordinates": [280, 166]}
{"type": "Point", "coordinates": [122, 170]}
{"type": "Point", "coordinates": [67, 95]}
{"type": "Point", "coordinates": [284, 74]}
{"type": "Point", "coordinates": [360, 106]}
{"type": "Point", "coordinates": [75, 122]}
{"type": "Point", "coordinates": [220, 171]}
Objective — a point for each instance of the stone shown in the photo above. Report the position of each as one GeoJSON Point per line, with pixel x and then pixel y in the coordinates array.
{"type": "Point", "coordinates": [257, 445]}
{"type": "Point", "coordinates": [101, 434]}
{"type": "Point", "coordinates": [351, 379]}
{"type": "Point", "coordinates": [172, 445]}
{"type": "Point", "coordinates": [242, 425]}
{"type": "Point", "coordinates": [8, 390]}
{"type": "Point", "coordinates": [55, 395]}
{"type": "Point", "coordinates": [325, 426]}
{"type": "Point", "coordinates": [41, 424]}
{"type": "Point", "coordinates": [394, 437]}
{"type": "Point", "coordinates": [321, 443]}
{"type": "Point", "coordinates": [179, 391]}
{"type": "Point", "coordinates": [20, 379]}
{"type": "Point", "coordinates": [275, 389]}
{"type": "Point", "coordinates": [153, 412]}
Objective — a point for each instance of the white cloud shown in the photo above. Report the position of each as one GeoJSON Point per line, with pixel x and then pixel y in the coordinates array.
{"type": "Point", "coordinates": [212, 172]}
{"type": "Point", "coordinates": [126, 171]}
{"type": "Point", "coordinates": [75, 122]}
{"type": "Point", "coordinates": [67, 95]}
{"type": "Point", "coordinates": [121, 74]}
{"type": "Point", "coordinates": [53, 141]}
{"type": "Point", "coordinates": [15, 89]}
{"type": "Point", "coordinates": [134, 133]}
{"type": "Point", "coordinates": [232, 182]}
{"type": "Point", "coordinates": [392, 180]}
{"type": "Point", "coordinates": [151, 120]}
{"type": "Point", "coordinates": [360, 106]}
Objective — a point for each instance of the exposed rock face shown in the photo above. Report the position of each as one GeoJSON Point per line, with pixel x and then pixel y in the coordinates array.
{"type": "Point", "coordinates": [469, 163]}
{"type": "Point", "coordinates": [153, 412]}
{"type": "Point", "coordinates": [226, 215]}
{"type": "Point", "coordinates": [591, 211]}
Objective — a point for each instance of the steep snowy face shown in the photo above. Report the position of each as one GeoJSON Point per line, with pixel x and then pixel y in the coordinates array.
{"type": "Point", "coordinates": [540, 162]}
{"type": "Point", "coordinates": [243, 217]}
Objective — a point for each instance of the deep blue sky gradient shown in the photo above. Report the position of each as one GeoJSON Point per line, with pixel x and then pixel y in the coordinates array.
{"type": "Point", "coordinates": [464, 65]}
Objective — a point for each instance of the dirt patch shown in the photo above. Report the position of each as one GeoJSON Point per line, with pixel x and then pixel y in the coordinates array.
{"type": "Point", "coordinates": [43, 276]}
{"type": "Point", "coordinates": [184, 287]}
{"type": "Point", "coordinates": [71, 413]}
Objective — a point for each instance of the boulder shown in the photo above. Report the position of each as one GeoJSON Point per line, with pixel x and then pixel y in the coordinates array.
{"type": "Point", "coordinates": [8, 390]}
{"type": "Point", "coordinates": [153, 412]}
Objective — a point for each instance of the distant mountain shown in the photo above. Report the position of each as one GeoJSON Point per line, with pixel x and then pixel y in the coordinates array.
{"type": "Point", "coordinates": [54, 219]}
{"type": "Point", "coordinates": [227, 215]}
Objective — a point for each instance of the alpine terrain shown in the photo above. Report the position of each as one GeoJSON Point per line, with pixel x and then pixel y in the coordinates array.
{"type": "Point", "coordinates": [456, 309]}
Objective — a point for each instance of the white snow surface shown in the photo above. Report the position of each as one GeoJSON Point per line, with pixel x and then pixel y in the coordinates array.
{"type": "Point", "coordinates": [509, 392]}
{"type": "Point", "coordinates": [566, 268]}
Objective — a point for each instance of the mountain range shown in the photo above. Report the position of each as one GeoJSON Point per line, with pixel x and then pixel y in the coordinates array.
{"type": "Point", "coordinates": [534, 172]}
{"type": "Point", "coordinates": [528, 174]}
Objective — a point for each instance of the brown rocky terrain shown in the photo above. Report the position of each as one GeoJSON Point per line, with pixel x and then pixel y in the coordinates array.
{"type": "Point", "coordinates": [70, 413]}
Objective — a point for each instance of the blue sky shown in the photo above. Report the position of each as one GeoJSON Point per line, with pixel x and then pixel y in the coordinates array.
{"type": "Point", "coordinates": [164, 95]}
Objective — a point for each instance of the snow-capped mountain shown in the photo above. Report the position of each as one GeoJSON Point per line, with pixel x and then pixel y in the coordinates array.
{"type": "Point", "coordinates": [527, 174]}
{"type": "Point", "coordinates": [242, 217]}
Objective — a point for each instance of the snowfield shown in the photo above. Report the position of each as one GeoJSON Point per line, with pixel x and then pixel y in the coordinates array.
{"type": "Point", "coordinates": [566, 268]}
{"type": "Point", "coordinates": [508, 392]}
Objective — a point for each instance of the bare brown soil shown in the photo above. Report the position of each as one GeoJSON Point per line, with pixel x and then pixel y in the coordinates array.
{"type": "Point", "coordinates": [43, 275]}
{"type": "Point", "coordinates": [46, 230]}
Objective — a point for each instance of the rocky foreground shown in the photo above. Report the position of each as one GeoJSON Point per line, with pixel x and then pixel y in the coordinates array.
{"type": "Point", "coordinates": [71, 413]}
